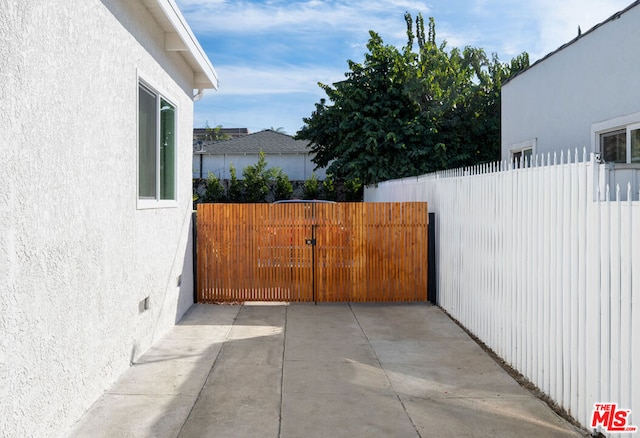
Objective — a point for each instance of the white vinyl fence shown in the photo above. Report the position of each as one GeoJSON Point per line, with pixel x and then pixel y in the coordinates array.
{"type": "Point", "coordinates": [544, 271]}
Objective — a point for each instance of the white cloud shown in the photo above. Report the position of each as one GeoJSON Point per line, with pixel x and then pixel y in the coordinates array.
{"type": "Point", "coordinates": [243, 17]}
{"type": "Point", "coordinates": [263, 96]}
{"type": "Point", "coordinates": [557, 21]}
{"type": "Point", "coordinates": [246, 80]}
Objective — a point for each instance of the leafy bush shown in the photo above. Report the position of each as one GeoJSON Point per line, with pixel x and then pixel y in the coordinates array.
{"type": "Point", "coordinates": [257, 179]}
{"type": "Point", "coordinates": [215, 190]}
{"type": "Point", "coordinates": [354, 190]}
{"type": "Point", "coordinates": [283, 188]}
{"type": "Point", "coordinates": [235, 187]}
{"type": "Point", "coordinates": [311, 187]}
{"type": "Point", "coordinates": [329, 188]}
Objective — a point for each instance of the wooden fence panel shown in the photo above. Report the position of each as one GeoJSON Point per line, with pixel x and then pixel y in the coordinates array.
{"type": "Point", "coordinates": [253, 252]}
{"type": "Point", "coordinates": [371, 252]}
{"type": "Point", "coordinates": [262, 252]}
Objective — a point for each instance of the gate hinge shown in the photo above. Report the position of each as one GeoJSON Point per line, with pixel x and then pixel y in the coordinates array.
{"type": "Point", "coordinates": [310, 242]}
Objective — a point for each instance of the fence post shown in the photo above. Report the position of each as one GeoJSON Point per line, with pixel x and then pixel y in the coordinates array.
{"type": "Point", "coordinates": [432, 292]}
{"type": "Point", "coordinates": [194, 230]}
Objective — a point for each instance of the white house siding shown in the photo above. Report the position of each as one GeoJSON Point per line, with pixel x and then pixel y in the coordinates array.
{"type": "Point", "coordinates": [298, 167]}
{"type": "Point", "coordinates": [76, 255]}
{"type": "Point", "coordinates": [591, 80]}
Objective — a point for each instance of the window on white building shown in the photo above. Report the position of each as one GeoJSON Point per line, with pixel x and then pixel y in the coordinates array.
{"type": "Point", "coordinates": [156, 148]}
{"type": "Point", "coordinates": [522, 158]}
{"type": "Point", "coordinates": [634, 144]}
{"type": "Point", "coordinates": [522, 153]}
{"type": "Point", "coordinates": [613, 146]}
{"type": "Point", "coordinates": [618, 140]}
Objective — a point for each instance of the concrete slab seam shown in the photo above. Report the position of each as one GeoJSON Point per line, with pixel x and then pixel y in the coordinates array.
{"type": "Point", "coordinates": [284, 348]}
{"type": "Point", "coordinates": [213, 365]}
{"type": "Point", "coordinates": [404, 408]}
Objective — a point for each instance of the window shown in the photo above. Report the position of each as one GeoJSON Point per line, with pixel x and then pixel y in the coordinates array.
{"type": "Point", "coordinates": [614, 146]}
{"type": "Point", "coordinates": [634, 136]}
{"type": "Point", "coordinates": [522, 158]}
{"type": "Point", "coordinates": [522, 153]}
{"type": "Point", "coordinates": [618, 140]}
{"type": "Point", "coordinates": [156, 146]}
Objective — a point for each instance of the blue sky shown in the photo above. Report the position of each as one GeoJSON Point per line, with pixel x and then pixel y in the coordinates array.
{"type": "Point", "coordinates": [270, 54]}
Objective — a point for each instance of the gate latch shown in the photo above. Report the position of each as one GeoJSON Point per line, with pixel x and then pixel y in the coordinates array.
{"type": "Point", "coordinates": [310, 242]}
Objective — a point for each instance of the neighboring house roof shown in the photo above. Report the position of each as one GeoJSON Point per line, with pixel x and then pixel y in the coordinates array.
{"type": "Point", "coordinates": [178, 37]}
{"type": "Point", "coordinates": [268, 141]}
{"type": "Point", "coordinates": [580, 35]}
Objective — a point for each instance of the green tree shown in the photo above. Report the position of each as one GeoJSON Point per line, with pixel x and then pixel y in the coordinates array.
{"type": "Point", "coordinates": [257, 179]}
{"type": "Point", "coordinates": [235, 187]}
{"type": "Point", "coordinates": [311, 187]}
{"type": "Point", "coordinates": [215, 190]}
{"type": "Point", "coordinates": [371, 130]}
{"type": "Point", "coordinates": [459, 90]}
{"type": "Point", "coordinates": [407, 112]}
{"type": "Point", "coordinates": [282, 186]}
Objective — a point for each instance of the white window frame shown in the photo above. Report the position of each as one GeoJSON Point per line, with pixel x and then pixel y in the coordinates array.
{"type": "Point", "coordinates": [143, 203]}
{"type": "Point", "coordinates": [628, 123]}
{"type": "Point", "coordinates": [530, 144]}
{"type": "Point", "coordinates": [632, 127]}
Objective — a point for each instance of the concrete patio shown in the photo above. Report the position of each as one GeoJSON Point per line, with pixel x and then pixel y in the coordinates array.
{"type": "Point", "coordinates": [331, 370]}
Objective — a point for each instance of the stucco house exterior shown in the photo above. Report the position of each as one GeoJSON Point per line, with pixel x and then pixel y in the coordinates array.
{"type": "Point", "coordinates": [95, 197]}
{"type": "Point", "coordinates": [583, 95]}
{"type": "Point", "coordinates": [281, 150]}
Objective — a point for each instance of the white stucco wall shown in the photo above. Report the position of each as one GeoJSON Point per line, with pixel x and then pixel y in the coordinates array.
{"type": "Point", "coordinates": [76, 255]}
{"type": "Point", "coordinates": [592, 80]}
{"type": "Point", "coordinates": [298, 167]}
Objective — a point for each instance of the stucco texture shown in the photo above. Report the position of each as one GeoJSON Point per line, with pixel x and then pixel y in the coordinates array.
{"type": "Point", "coordinates": [76, 255]}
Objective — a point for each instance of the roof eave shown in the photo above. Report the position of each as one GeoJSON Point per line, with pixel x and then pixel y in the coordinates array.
{"type": "Point", "coordinates": [182, 39]}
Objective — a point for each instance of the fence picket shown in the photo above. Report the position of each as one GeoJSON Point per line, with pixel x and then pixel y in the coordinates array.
{"type": "Point", "coordinates": [627, 304]}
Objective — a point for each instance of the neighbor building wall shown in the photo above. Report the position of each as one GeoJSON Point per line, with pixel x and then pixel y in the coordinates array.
{"type": "Point", "coordinates": [298, 167]}
{"type": "Point", "coordinates": [556, 101]}
{"type": "Point", "coordinates": [77, 256]}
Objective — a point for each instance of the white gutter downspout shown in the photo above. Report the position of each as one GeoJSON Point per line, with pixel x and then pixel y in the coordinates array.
{"type": "Point", "coordinates": [198, 95]}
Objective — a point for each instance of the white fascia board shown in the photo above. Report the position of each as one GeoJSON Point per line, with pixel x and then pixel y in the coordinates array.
{"type": "Point", "coordinates": [207, 76]}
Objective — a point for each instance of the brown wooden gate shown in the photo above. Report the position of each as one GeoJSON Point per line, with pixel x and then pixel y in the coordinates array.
{"type": "Point", "coordinates": [312, 252]}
